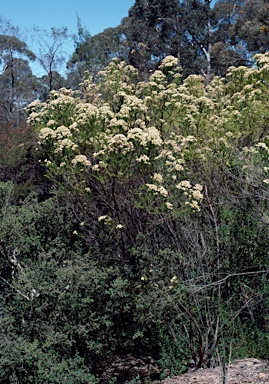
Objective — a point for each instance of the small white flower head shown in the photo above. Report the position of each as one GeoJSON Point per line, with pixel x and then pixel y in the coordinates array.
{"type": "Point", "coordinates": [158, 177]}
{"type": "Point", "coordinates": [119, 142]}
{"type": "Point", "coordinates": [157, 76]}
{"type": "Point", "coordinates": [34, 104]}
{"type": "Point", "coordinates": [263, 146]}
{"type": "Point", "coordinates": [174, 280]}
{"type": "Point", "coordinates": [169, 205]}
{"type": "Point", "coordinates": [105, 219]}
{"type": "Point", "coordinates": [46, 133]}
{"type": "Point", "coordinates": [185, 184]}
{"type": "Point", "coordinates": [197, 195]}
{"type": "Point", "coordinates": [163, 191]}
{"type": "Point", "coordinates": [178, 167]}
{"type": "Point", "coordinates": [194, 204]}
{"type": "Point", "coordinates": [169, 61]}
{"type": "Point", "coordinates": [47, 162]}
{"type": "Point", "coordinates": [143, 159]}
{"type": "Point", "coordinates": [153, 136]}
{"type": "Point", "coordinates": [102, 218]}
{"type": "Point", "coordinates": [62, 131]}
{"type": "Point", "coordinates": [198, 187]}
{"type": "Point", "coordinates": [65, 144]}
{"type": "Point", "coordinates": [81, 159]}
{"type": "Point", "coordinates": [157, 189]}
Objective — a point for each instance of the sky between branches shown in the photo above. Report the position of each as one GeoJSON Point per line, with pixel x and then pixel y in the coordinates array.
{"type": "Point", "coordinates": [95, 16]}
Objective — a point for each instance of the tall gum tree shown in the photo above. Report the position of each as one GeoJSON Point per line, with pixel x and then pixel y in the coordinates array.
{"type": "Point", "coordinates": [12, 53]}
{"type": "Point", "coordinates": [226, 50]}
{"type": "Point", "coordinates": [51, 55]}
{"type": "Point", "coordinates": [196, 21]}
{"type": "Point", "coordinates": [207, 37]}
{"type": "Point", "coordinates": [252, 26]}
{"type": "Point", "coordinates": [197, 32]}
{"type": "Point", "coordinates": [152, 30]}
{"type": "Point", "coordinates": [94, 53]}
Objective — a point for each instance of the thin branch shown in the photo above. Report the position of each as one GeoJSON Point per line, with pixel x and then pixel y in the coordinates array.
{"type": "Point", "coordinates": [15, 289]}
{"type": "Point", "coordinates": [216, 283]}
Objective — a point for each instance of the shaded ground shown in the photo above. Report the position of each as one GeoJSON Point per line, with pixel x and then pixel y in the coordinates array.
{"type": "Point", "coordinates": [247, 371]}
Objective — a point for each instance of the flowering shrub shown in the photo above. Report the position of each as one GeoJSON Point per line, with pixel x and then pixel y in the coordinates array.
{"type": "Point", "coordinates": [146, 137]}
{"type": "Point", "coordinates": [126, 132]}
{"type": "Point", "coordinates": [120, 256]}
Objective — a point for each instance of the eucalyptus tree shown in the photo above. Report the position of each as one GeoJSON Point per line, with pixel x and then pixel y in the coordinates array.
{"type": "Point", "coordinates": [50, 52]}
{"type": "Point", "coordinates": [13, 55]}
{"type": "Point", "coordinates": [226, 50]}
{"type": "Point", "coordinates": [197, 32]}
{"type": "Point", "coordinates": [152, 31]}
{"type": "Point", "coordinates": [18, 87]}
{"type": "Point", "coordinates": [93, 53]}
{"type": "Point", "coordinates": [252, 26]}
{"type": "Point", "coordinates": [14, 58]}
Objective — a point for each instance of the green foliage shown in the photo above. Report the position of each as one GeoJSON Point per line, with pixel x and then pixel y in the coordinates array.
{"type": "Point", "coordinates": [94, 53]}
{"type": "Point", "coordinates": [252, 26]}
{"type": "Point", "coordinates": [201, 34]}
{"type": "Point", "coordinates": [28, 362]}
{"type": "Point", "coordinates": [19, 161]}
{"type": "Point", "coordinates": [65, 312]}
{"type": "Point", "coordinates": [14, 55]}
{"type": "Point", "coordinates": [171, 360]}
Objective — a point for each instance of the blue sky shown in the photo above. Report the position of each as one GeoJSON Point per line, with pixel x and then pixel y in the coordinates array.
{"type": "Point", "coordinates": [96, 15]}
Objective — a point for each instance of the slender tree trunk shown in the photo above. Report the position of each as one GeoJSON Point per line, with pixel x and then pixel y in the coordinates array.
{"type": "Point", "coordinates": [12, 90]}
{"type": "Point", "coordinates": [11, 106]}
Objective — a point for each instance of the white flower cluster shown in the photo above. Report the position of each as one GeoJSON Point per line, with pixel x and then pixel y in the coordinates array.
{"type": "Point", "coordinates": [62, 131]}
{"type": "Point", "coordinates": [158, 177]}
{"type": "Point", "coordinates": [263, 146]}
{"type": "Point", "coordinates": [169, 61]}
{"type": "Point", "coordinates": [139, 131]}
{"type": "Point", "coordinates": [81, 159]}
{"type": "Point", "coordinates": [194, 194]}
{"type": "Point", "coordinates": [46, 133]}
{"type": "Point", "coordinates": [119, 143]}
{"type": "Point", "coordinates": [157, 189]}
{"type": "Point", "coordinates": [65, 144]}
{"type": "Point", "coordinates": [146, 136]}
